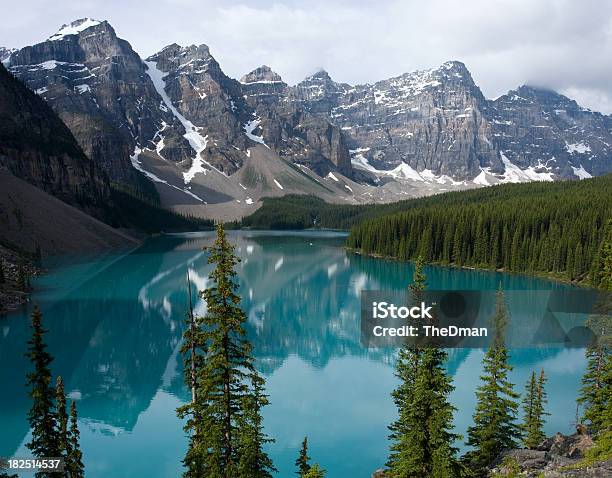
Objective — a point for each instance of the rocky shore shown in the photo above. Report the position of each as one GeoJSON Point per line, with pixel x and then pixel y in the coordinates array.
{"type": "Point", "coordinates": [12, 296]}
{"type": "Point", "coordinates": [560, 456]}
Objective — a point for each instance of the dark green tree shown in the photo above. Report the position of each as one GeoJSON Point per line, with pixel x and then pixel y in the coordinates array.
{"type": "Point", "coordinates": [596, 392]}
{"type": "Point", "coordinates": [254, 462]}
{"type": "Point", "coordinates": [42, 415]}
{"type": "Point", "coordinates": [193, 350]}
{"type": "Point", "coordinates": [74, 457]}
{"type": "Point", "coordinates": [302, 463]}
{"type": "Point", "coordinates": [494, 428]}
{"type": "Point", "coordinates": [62, 416]}
{"type": "Point", "coordinates": [534, 402]}
{"type": "Point", "coordinates": [219, 419]}
{"type": "Point", "coordinates": [421, 437]}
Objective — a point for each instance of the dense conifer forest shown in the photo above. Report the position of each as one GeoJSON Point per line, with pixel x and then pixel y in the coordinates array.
{"type": "Point", "coordinates": [557, 229]}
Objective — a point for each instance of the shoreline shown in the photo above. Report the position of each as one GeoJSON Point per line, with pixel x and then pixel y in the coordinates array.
{"type": "Point", "coordinates": [536, 275]}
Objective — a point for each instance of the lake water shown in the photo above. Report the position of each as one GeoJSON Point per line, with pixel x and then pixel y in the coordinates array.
{"type": "Point", "coordinates": [115, 325]}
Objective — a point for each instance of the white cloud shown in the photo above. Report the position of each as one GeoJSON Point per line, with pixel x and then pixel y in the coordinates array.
{"type": "Point", "coordinates": [561, 44]}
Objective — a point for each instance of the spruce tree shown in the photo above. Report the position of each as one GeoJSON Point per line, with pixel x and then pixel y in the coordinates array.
{"type": "Point", "coordinates": [494, 428]}
{"type": "Point", "coordinates": [193, 350]}
{"type": "Point", "coordinates": [74, 457]}
{"type": "Point", "coordinates": [533, 407]}
{"type": "Point", "coordinates": [422, 440]}
{"type": "Point", "coordinates": [42, 415]}
{"type": "Point", "coordinates": [315, 472]}
{"type": "Point", "coordinates": [596, 392]}
{"type": "Point", "coordinates": [62, 416]}
{"type": "Point", "coordinates": [219, 417]}
{"type": "Point", "coordinates": [254, 462]}
{"type": "Point", "coordinates": [302, 463]}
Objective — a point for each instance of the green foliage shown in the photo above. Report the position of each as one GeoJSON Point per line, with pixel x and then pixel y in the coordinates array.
{"type": "Point", "coordinates": [136, 211]}
{"type": "Point", "coordinates": [315, 472]}
{"type": "Point", "coordinates": [596, 392]}
{"type": "Point", "coordinates": [555, 229]}
{"type": "Point", "coordinates": [42, 416]}
{"type": "Point", "coordinates": [602, 267]}
{"type": "Point", "coordinates": [509, 469]}
{"type": "Point", "coordinates": [494, 428]}
{"type": "Point", "coordinates": [533, 407]}
{"type": "Point", "coordinates": [302, 463]}
{"type": "Point", "coordinates": [62, 416]}
{"type": "Point", "coordinates": [253, 462]}
{"type": "Point", "coordinates": [421, 437]}
{"type": "Point", "coordinates": [74, 456]}
{"type": "Point", "coordinates": [224, 417]}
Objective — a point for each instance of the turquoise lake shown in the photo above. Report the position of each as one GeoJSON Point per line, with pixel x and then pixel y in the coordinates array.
{"type": "Point", "coordinates": [115, 323]}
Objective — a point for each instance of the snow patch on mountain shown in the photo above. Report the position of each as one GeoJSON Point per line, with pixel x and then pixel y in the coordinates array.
{"type": "Point", "coordinates": [581, 173]}
{"type": "Point", "coordinates": [74, 28]}
{"type": "Point", "coordinates": [514, 174]}
{"type": "Point", "coordinates": [252, 126]}
{"type": "Point", "coordinates": [580, 148]}
{"type": "Point", "coordinates": [192, 135]}
{"type": "Point", "coordinates": [134, 158]}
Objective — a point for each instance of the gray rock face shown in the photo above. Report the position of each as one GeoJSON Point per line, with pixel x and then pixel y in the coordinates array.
{"type": "Point", "coordinates": [551, 133]}
{"type": "Point", "coordinates": [98, 86]}
{"type": "Point", "coordinates": [36, 146]}
{"type": "Point", "coordinates": [288, 127]}
{"type": "Point", "coordinates": [204, 95]}
{"type": "Point", "coordinates": [431, 120]}
{"type": "Point", "coordinates": [431, 125]}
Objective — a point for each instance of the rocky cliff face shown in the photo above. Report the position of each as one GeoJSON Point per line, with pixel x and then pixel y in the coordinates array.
{"type": "Point", "coordinates": [176, 116]}
{"type": "Point", "coordinates": [288, 127]}
{"type": "Point", "coordinates": [98, 86]}
{"type": "Point", "coordinates": [36, 146]}
{"type": "Point", "coordinates": [439, 124]}
{"type": "Point", "coordinates": [551, 133]}
{"type": "Point", "coordinates": [431, 120]}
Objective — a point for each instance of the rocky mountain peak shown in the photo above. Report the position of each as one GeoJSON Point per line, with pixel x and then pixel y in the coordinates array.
{"type": "Point", "coordinates": [75, 27]}
{"type": "Point", "coordinates": [263, 74]}
{"type": "Point", "coordinates": [5, 54]}
{"type": "Point", "coordinates": [174, 56]}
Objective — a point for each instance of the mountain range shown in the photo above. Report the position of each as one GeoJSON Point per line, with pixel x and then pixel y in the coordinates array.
{"type": "Point", "coordinates": [214, 146]}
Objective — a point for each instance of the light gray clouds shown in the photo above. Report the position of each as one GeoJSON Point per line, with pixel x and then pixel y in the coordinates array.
{"type": "Point", "coordinates": [562, 44]}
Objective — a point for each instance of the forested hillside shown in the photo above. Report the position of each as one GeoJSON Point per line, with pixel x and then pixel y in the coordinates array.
{"type": "Point", "coordinates": [557, 229]}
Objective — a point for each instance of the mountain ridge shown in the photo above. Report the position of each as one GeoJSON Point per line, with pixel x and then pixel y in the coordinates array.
{"type": "Point", "coordinates": [193, 126]}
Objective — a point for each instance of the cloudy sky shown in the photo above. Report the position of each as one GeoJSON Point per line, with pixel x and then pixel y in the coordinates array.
{"type": "Point", "coordinates": [562, 44]}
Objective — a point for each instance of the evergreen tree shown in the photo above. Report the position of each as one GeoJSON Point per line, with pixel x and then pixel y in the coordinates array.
{"type": "Point", "coordinates": [302, 463]}
{"type": "Point", "coordinates": [254, 462]}
{"type": "Point", "coordinates": [602, 274]}
{"type": "Point", "coordinates": [422, 441]}
{"type": "Point", "coordinates": [596, 392]}
{"type": "Point", "coordinates": [42, 415]}
{"type": "Point", "coordinates": [226, 410]}
{"type": "Point", "coordinates": [315, 472]}
{"type": "Point", "coordinates": [533, 406]}
{"type": "Point", "coordinates": [74, 457]}
{"type": "Point", "coordinates": [62, 416]}
{"type": "Point", "coordinates": [2, 278]}
{"type": "Point", "coordinates": [193, 350]}
{"type": "Point", "coordinates": [494, 428]}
